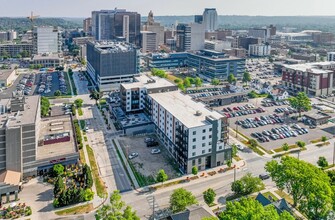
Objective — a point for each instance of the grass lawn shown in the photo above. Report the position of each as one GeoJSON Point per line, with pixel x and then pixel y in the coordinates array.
{"type": "Point", "coordinates": [67, 82]}
{"type": "Point", "coordinates": [80, 112]}
{"type": "Point", "coordinates": [316, 141]}
{"type": "Point", "coordinates": [76, 210]}
{"type": "Point", "coordinates": [99, 185]}
{"type": "Point", "coordinates": [323, 144]}
{"type": "Point", "coordinates": [270, 195]}
{"type": "Point", "coordinates": [285, 196]}
{"type": "Point", "coordinates": [173, 78]}
{"type": "Point", "coordinates": [82, 156]}
{"type": "Point", "coordinates": [237, 158]}
{"type": "Point", "coordinates": [290, 147]}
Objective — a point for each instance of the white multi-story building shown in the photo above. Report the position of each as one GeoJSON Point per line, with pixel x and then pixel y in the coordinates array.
{"type": "Point", "coordinates": [331, 56]}
{"type": "Point", "coordinates": [149, 41]}
{"type": "Point", "coordinates": [259, 50]}
{"type": "Point", "coordinates": [192, 134]}
{"type": "Point", "coordinates": [210, 19]}
{"type": "Point", "coordinates": [217, 45]}
{"type": "Point", "coordinates": [190, 37]}
{"type": "Point", "coordinates": [46, 40]}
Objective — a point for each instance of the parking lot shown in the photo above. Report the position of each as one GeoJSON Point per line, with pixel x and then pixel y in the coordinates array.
{"type": "Point", "coordinates": [49, 83]}
{"type": "Point", "coordinates": [26, 83]}
{"type": "Point", "coordinates": [274, 127]}
{"type": "Point", "coordinates": [146, 163]}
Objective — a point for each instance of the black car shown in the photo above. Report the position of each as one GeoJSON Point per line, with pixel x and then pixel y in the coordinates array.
{"type": "Point", "coordinates": [264, 176]}
{"type": "Point", "coordinates": [152, 143]}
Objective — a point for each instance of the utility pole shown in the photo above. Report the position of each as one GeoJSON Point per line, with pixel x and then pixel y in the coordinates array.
{"type": "Point", "coordinates": [234, 173]}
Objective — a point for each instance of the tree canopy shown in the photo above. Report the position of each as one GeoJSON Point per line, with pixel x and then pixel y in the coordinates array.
{"type": "Point", "coordinates": [79, 103]}
{"type": "Point", "coordinates": [309, 186]}
{"type": "Point", "coordinates": [209, 196]}
{"type": "Point", "coordinates": [246, 77]}
{"type": "Point", "coordinates": [161, 176]}
{"type": "Point", "coordinates": [300, 102]}
{"type": "Point", "coordinates": [215, 82]}
{"type": "Point", "coordinates": [231, 78]}
{"type": "Point", "coordinates": [247, 184]}
{"type": "Point", "coordinates": [180, 199]}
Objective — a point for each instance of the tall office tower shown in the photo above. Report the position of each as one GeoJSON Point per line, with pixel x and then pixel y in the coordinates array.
{"type": "Point", "coordinates": [154, 27]}
{"type": "Point", "coordinates": [47, 40]}
{"type": "Point", "coordinates": [210, 19]}
{"type": "Point", "coordinates": [198, 19]}
{"type": "Point", "coordinates": [87, 25]}
{"type": "Point", "coordinates": [149, 41]}
{"type": "Point", "coordinates": [190, 37]}
{"type": "Point", "coordinates": [116, 24]}
{"type": "Point", "coordinates": [110, 63]}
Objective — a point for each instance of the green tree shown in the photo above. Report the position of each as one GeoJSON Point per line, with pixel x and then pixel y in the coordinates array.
{"type": "Point", "coordinates": [301, 102]}
{"type": "Point", "coordinates": [248, 208]}
{"type": "Point", "coordinates": [215, 82]}
{"type": "Point", "coordinates": [247, 184]}
{"type": "Point", "coordinates": [96, 96]}
{"type": "Point", "coordinates": [58, 170]}
{"type": "Point", "coordinates": [229, 163]}
{"type": "Point", "coordinates": [57, 93]}
{"type": "Point", "coordinates": [234, 150]}
{"type": "Point", "coordinates": [79, 103]}
{"type": "Point", "coordinates": [45, 105]}
{"type": "Point", "coordinates": [210, 218]}
{"type": "Point", "coordinates": [209, 196]}
{"type": "Point", "coordinates": [309, 186]}
{"type": "Point", "coordinates": [88, 176]}
{"type": "Point", "coordinates": [115, 209]}
{"type": "Point", "coordinates": [237, 187]}
{"type": "Point", "coordinates": [177, 81]}
{"type": "Point", "coordinates": [300, 144]}
{"type": "Point", "coordinates": [88, 195]}
{"type": "Point", "coordinates": [285, 147]}
{"type": "Point", "coordinates": [253, 143]}
{"type": "Point", "coordinates": [322, 162]}
{"type": "Point", "coordinates": [246, 77]}
{"type": "Point", "coordinates": [194, 170]}
{"type": "Point", "coordinates": [324, 139]}
{"type": "Point", "coordinates": [181, 86]}
{"type": "Point", "coordinates": [187, 82]}
{"type": "Point", "coordinates": [180, 199]}
{"type": "Point", "coordinates": [231, 78]}
{"type": "Point", "coordinates": [198, 82]}
{"type": "Point", "coordinates": [59, 186]}
{"type": "Point", "coordinates": [161, 176]}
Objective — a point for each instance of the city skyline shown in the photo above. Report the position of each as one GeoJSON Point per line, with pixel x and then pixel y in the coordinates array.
{"type": "Point", "coordinates": [256, 7]}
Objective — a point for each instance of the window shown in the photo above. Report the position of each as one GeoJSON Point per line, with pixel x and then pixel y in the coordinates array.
{"type": "Point", "coordinates": [194, 132]}
{"type": "Point", "coordinates": [220, 147]}
{"type": "Point", "coordinates": [194, 139]}
{"type": "Point", "coordinates": [193, 162]}
{"type": "Point", "coordinates": [204, 131]}
{"type": "Point", "coordinates": [210, 129]}
{"type": "Point", "coordinates": [210, 136]}
{"type": "Point", "coordinates": [199, 161]}
{"type": "Point", "coordinates": [193, 147]}
{"type": "Point", "coordinates": [209, 143]}
{"type": "Point", "coordinates": [203, 144]}
{"type": "Point", "coordinates": [193, 154]}
{"type": "Point", "coordinates": [209, 150]}
{"type": "Point", "coordinates": [203, 151]}
{"type": "Point", "coordinates": [203, 137]}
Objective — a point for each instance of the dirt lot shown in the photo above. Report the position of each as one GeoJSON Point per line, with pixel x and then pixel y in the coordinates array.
{"type": "Point", "coordinates": [324, 130]}
{"type": "Point", "coordinates": [146, 163]}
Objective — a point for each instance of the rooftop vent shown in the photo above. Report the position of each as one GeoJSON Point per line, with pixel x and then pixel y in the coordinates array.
{"type": "Point", "coordinates": [198, 113]}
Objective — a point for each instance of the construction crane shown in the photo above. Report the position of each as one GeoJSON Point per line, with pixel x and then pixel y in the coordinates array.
{"type": "Point", "coordinates": [31, 18]}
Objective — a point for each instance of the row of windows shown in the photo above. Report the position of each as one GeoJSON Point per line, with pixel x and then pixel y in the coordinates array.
{"type": "Point", "coordinates": [203, 131]}
{"type": "Point", "coordinates": [202, 152]}
{"type": "Point", "coordinates": [203, 138]}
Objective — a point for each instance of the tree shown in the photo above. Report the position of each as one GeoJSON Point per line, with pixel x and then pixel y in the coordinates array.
{"type": "Point", "coordinates": [88, 195]}
{"type": "Point", "coordinates": [59, 186]}
{"type": "Point", "coordinates": [270, 59]}
{"type": "Point", "coordinates": [194, 170]}
{"type": "Point", "coordinates": [234, 150]}
{"type": "Point", "coordinates": [57, 93]}
{"type": "Point", "coordinates": [187, 82]}
{"type": "Point", "coordinates": [181, 86]}
{"type": "Point", "coordinates": [285, 147]}
{"type": "Point", "coordinates": [253, 143]}
{"type": "Point", "coordinates": [79, 103]}
{"type": "Point", "coordinates": [96, 96]}
{"type": "Point", "coordinates": [198, 82]}
{"type": "Point", "coordinates": [246, 77]}
{"type": "Point", "coordinates": [231, 78]}
{"type": "Point", "coordinates": [229, 163]}
{"type": "Point", "coordinates": [180, 199]}
{"type": "Point", "coordinates": [45, 105]}
{"type": "Point", "coordinates": [209, 196]}
{"type": "Point", "coordinates": [113, 210]}
{"type": "Point", "coordinates": [324, 139]}
{"type": "Point", "coordinates": [247, 184]}
{"type": "Point", "coordinates": [161, 176]}
{"type": "Point", "coordinates": [300, 144]}
{"type": "Point", "coordinates": [88, 176]}
{"type": "Point", "coordinates": [248, 208]}
{"type": "Point", "coordinates": [210, 218]}
{"type": "Point", "coordinates": [309, 186]}
{"type": "Point", "coordinates": [215, 82]}
{"type": "Point", "coordinates": [322, 162]}
{"type": "Point", "coordinates": [58, 170]}
{"type": "Point", "coordinates": [301, 102]}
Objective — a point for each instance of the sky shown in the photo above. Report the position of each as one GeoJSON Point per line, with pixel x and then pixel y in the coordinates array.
{"type": "Point", "coordinates": [83, 8]}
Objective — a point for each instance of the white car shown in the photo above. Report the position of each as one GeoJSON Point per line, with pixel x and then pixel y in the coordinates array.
{"type": "Point", "coordinates": [132, 155]}
{"type": "Point", "coordinates": [155, 151]}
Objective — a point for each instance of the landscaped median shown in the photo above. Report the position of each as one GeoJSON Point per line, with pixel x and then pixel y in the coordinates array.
{"type": "Point", "coordinates": [81, 209]}
{"type": "Point", "coordinates": [99, 184]}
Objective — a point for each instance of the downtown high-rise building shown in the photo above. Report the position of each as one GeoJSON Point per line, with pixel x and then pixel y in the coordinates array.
{"type": "Point", "coordinates": [190, 37]}
{"type": "Point", "coordinates": [210, 19]}
{"type": "Point", "coordinates": [47, 40]}
{"type": "Point", "coordinates": [117, 24]}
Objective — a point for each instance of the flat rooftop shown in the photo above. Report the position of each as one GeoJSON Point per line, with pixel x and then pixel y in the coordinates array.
{"type": "Point", "coordinates": [311, 67]}
{"type": "Point", "coordinates": [4, 74]}
{"type": "Point", "coordinates": [148, 82]}
{"type": "Point", "coordinates": [55, 125]}
{"type": "Point", "coordinates": [184, 108]}
{"type": "Point", "coordinates": [49, 56]}
{"type": "Point", "coordinates": [112, 46]}
{"type": "Point", "coordinates": [28, 116]}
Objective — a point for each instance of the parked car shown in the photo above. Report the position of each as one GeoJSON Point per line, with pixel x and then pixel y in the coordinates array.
{"type": "Point", "coordinates": [155, 151]}
{"type": "Point", "coordinates": [132, 155]}
{"type": "Point", "coordinates": [147, 140]}
{"type": "Point", "coordinates": [152, 143]}
{"type": "Point", "coordinates": [264, 176]}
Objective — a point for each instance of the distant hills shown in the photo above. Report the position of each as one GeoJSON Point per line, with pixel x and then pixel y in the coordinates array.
{"type": "Point", "coordinates": [323, 23]}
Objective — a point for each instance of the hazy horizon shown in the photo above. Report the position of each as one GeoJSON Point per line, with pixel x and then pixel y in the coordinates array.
{"type": "Point", "coordinates": [81, 9]}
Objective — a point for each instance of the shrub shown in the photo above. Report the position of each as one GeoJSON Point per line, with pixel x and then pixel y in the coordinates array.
{"type": "Point", "coordinates": [194, 170]}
